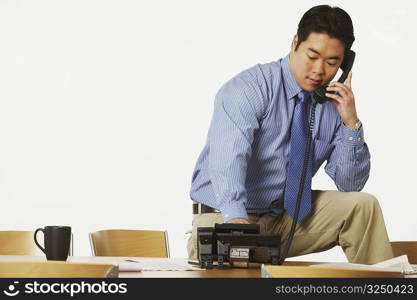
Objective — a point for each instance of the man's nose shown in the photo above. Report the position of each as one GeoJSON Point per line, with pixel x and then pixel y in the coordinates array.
{"type": "Point", "coordinates": [318, 67]}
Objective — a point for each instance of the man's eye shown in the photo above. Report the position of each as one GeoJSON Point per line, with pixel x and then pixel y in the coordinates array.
{"type": "Point", "coordinates": [330, 64]}
{"type": "Point", "coordinates": [310, 57]}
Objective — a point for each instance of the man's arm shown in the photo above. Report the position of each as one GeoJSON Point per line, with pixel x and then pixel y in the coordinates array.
{"type": "Point", "coordinates": [238, 109]}
{"type": "Point", "coordinates": [349, 163]}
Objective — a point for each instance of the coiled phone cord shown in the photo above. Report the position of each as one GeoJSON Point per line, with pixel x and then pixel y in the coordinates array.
{"type": "Point", "coordinates": [301, 187]}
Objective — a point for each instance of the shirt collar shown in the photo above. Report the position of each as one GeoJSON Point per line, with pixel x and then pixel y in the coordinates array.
{"type": "Point", "coordinates": [291, 86]}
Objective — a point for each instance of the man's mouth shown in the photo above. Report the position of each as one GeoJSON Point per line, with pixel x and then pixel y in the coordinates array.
{"type": "Point", "coordinates": [314, 82]}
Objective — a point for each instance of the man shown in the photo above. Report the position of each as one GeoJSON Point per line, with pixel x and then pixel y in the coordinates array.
{"type": "Point", "coordinates": [249, 171]}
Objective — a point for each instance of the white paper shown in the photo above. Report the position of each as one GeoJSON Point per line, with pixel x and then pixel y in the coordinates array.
{"type": "Point", "coordinates": [401, 263]}
{"type": "Point", "coordinates": [128, 266]}
{"type": "Point", "coordinates": [396, 264]}
{"type": "Point", "coordinates": [345, 265]}
{"type": "Point", "coordinates": [165, 264]}
{"type": "Point", "coordinates": [132, 264]}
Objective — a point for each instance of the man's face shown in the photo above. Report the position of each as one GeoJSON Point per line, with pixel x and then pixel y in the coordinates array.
{"type": "Point", "coordinates": [316, 60]}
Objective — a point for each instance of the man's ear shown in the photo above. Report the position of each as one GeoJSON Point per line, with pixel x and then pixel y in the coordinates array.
{"type": "Point", "coordinates": [294, 42]}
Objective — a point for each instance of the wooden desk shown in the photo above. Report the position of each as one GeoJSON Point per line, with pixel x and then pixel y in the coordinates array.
{"type": "Point", "coordinates": [211, 273]}
{"type": "Point", "coordinates": [214, 273]}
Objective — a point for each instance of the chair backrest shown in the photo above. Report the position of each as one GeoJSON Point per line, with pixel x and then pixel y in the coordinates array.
{"type": "Point", "coordinates": [18, 243]}
{"type": "Point", "coordinates": [130, 243]}
{"type": "Point", "coordinates": [56, 269]}
{"type": "Point", "coordinates": [21, 243]}
{"type": "Point", "coordinates": [405, 247]}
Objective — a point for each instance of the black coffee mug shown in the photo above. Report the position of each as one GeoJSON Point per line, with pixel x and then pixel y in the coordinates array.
{"type": "Point", "coordinates": [57, 240]}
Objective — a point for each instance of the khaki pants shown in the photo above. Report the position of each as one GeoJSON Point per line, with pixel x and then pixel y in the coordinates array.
{"type": "Point", "coordinates": [351, 220]}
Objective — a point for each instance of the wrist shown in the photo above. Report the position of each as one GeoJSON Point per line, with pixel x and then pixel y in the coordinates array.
{"type": "Point", "coordinates": [354, 124]}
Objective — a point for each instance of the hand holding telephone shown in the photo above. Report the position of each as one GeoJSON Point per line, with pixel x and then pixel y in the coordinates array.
{"type": "Point", "coordinates": [346, 66]}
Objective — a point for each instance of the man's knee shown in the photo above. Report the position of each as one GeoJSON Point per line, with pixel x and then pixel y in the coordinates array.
{"type": "Point", "coordinates": [367, 202]}
{"type": "Point", "coordinates": [191, 248]}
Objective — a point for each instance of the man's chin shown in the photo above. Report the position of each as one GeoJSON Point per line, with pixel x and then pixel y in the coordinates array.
{"type": "Point", "coordinates": [310, 88]}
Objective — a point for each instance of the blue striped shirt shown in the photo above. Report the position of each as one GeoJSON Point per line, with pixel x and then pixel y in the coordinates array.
{"type": "Point", "coordinates": [242, 168]}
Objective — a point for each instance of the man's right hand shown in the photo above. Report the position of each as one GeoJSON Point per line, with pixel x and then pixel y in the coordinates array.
{"type": "Point", "coordinates": [238, 221]}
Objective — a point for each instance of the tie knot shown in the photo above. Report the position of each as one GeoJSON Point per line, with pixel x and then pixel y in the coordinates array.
{"type": "Point", "coordinates": [303, 96]}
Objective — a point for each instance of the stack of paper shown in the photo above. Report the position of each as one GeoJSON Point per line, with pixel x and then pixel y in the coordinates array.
{"type": "Point", "coordinates": [398, 264]}
{"type": "Point", "coordinates": [395, 267]}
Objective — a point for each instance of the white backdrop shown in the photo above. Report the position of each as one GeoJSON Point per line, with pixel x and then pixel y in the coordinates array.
{"type": "Point", "coordinates": [105, 106]}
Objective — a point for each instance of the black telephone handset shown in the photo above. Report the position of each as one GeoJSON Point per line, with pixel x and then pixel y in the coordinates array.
{"type": "Point", "coordinates": [346, 66]}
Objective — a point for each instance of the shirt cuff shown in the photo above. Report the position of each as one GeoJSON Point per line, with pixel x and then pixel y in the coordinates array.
{"type": "Point", "coordinates": [352, 137]}
{"type": "Point", "coordinates": [232, 210]}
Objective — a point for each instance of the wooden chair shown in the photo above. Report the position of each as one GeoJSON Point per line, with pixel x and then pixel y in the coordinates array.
{"type": "Point", "coordinates": [405, 247]}
{"type": "Point", "coordinates": [18, 243]}
{"type": "Point", "coordinates": [21, 243]}
{"type": "Point", "coordinates": [56, 269]}
{"type": "Point", "coordinates": [130, 243]}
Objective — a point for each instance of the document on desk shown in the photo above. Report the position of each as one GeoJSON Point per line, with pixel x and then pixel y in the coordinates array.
{"type": "Point", "coordinates": [400, 263]}
{"type": "Point", "coordinates": [136, 264]}
{"type": "Point", "coordinates": [397, 264]}
{"type": "Point", "coordinates": [132, 264]}
{"type": "Point", "coordinates": [165, 264]}
{"type": "Point", "coordinates": [123, 264]}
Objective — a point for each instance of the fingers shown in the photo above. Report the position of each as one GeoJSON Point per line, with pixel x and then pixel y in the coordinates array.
{"type": "Point", "coordinates": [238, 221]}
{"type": "Point", "coordinates": [342, 90]}
{"type": "Point", "coordinates": [341, 86]}
{"type": "Point", "coordinates": [335, 99]}
{"type": "Point", "coordinates": [343, 93]}
{"type": "Point", "coordinates": [347, 85]}
{"type": "Point", "coordinates": [348, 81]}
{"type": "Point", "coordinates": [334, 102]}
{"type": "Point", "coordinates": [339, 95]}
{"type": "Point", "coordinates": [339, 91]}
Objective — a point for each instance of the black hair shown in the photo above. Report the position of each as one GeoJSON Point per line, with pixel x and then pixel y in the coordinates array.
{"type": "Point", "coordinates": [333, 21]}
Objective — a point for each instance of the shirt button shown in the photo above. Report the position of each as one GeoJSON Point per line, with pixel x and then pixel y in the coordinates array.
{"type": "Point", "coordinates": [359, 139]}
{"type": "Point", "coordinates": [351, 138]}
{"type": "Point", "coordinates": [273, 204]}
